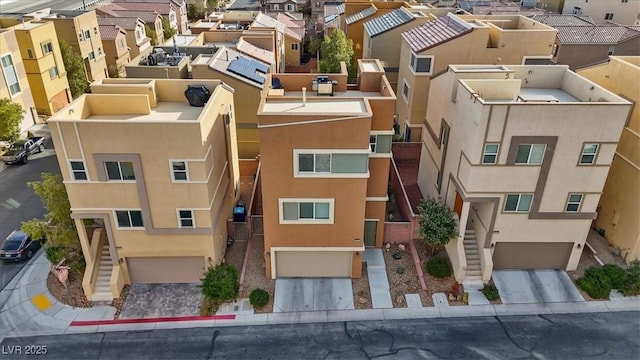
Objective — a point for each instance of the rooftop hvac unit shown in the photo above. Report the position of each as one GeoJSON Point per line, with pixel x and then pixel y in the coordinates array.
{"type": "Point", "coordinates": [197, 95]}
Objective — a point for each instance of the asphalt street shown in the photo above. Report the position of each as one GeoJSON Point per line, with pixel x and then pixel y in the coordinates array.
{"type": "Point", "coordinates": [25, 6]}
{"type": "Point", "coordinates": [574, 336]}
{"type": "Point", "coordinates": [19, 203]}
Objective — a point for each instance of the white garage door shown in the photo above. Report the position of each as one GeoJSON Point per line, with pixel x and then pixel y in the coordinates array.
{"type": "Point", "coordinates": [170, 269]}
{"type": "Point", "coordinates": [313, 263]}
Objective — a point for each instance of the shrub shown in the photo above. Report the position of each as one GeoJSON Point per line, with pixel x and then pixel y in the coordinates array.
{"type": "Point", "coordinates": [617, 276]}
{"type": "Point", "coordinates": [397, 255]}
{"type": "Point", "coordinates": [259, 298]}
{"type": "Point", "coordinates": [438, 267]}
{"type": "Point", "coordinates": [631, 284]}
{"type": "Point", "coordinates": [490, 291]}
{"type": "Point", "coordinates": [220, 283]}
{"type": "Point", "coordinates": [595, 283]}
{"type": "Point", "coordinates": [400, 269]}
{"type": "Point", "coordinates": [54, 254]}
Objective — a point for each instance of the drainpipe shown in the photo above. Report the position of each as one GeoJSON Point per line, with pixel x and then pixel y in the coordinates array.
{"type": "Point", "coordinates": [304, 96]}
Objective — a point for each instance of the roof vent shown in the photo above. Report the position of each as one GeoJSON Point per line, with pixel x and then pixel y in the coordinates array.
{"type": "Point", "coordinates": [197, 95]}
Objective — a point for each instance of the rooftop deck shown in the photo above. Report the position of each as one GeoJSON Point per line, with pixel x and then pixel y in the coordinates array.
{"type": "Point", "coordinates": [316, 105]}
{"type": "Point", "coordinates": [165, 111]}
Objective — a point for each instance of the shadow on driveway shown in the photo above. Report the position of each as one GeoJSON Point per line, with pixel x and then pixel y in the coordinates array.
{"type": "Point", "coordinates": [535, 286]}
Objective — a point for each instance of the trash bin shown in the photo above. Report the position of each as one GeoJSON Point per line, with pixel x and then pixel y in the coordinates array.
{"type": "Point", "coordinates": [239, 212]}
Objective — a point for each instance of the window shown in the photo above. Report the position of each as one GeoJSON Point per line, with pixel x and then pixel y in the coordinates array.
{"type": "Point", "coordinates": [625, 1]}
{"type": "Point", "coordinates": [420, 64]}
{"type": "Point", "coordinates": [530, 153]}
{"type": "Point", "coordinates": [518, 202]}
{"type": "Point", "coordinates": [325, 163]}
{"type": "Point", "coordinates": [120, 43]}
{"type": "Point", "coordinates": [53, 72]}
{"type": "Point", "coordinates": [554, 50]}
{"type": "Point", "coordinates": [47, 48]}
{"type": "Point", "coordinates": [608, 16]}
{"type": "Point", "coordinates": [92, 56]}
{"type": "Point", "coordinates": [186, 218]}
{"type": "Point", "coordinates": [294, 47]}
{"type": "Point", "coordinates": [612, 49]}
{"type": "Point", "coordinates": [589, 152]}
{"type": "Point", "coordinates": [87, 34]}
{"type": "Point", "coordinates": [95, 30]}
{"type": "Point", "coordinates": [405, 91]}
{"type": "Point", "coordinates": [294, 211]}
{"type": "Point", "coordinates": [180, 170]}
{"type": "Point", "coordinates": [129, 218]}
{"type": "Point", "coordinates": [276, 6]}
{"type": "Point", "coordinates": [380, 144]}
{"type": "Point", "coordinates": [289, 7]}
{"type": "Point", "coordinates": [490, 155]}
{"type": "Point", "coordinates": [10, 75]}
{"type": "Point", "coordinates": [119, 170]}
{"type": "Point", "coordinates": [30, 54]}
{"type": "Point", "coordinates": [78, 170]}
{"type": "Point", "coordinates": [99, 51]}
{"type": "Point", "coordinates": [80, 38]}
{"type": "Point", "coordinates": [573, 203]}
{"type": "Point", "coordinates": [577, 10]}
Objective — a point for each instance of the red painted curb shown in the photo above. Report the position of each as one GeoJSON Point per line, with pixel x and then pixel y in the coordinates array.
{"type": "Point", "coordinates": [152, 320]}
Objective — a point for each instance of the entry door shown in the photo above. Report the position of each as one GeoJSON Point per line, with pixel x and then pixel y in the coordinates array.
{"type": "Point", "coordinates": [370, 231]}
{"type": "Point", "coordinates": [457, 206]}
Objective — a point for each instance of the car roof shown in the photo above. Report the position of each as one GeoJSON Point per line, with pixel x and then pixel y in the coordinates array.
{"type": "Point", "coordinates": [17, 235]}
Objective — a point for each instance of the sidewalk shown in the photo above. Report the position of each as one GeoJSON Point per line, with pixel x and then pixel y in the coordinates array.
{"type": "Point", "coordinates": [27, 309]}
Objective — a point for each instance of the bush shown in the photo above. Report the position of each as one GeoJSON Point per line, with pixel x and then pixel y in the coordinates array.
{"type": "Point", "coordinates": [617, 276]}
{"type": "Point", "coordinates": [54, 254]}
{"type": "Point", "coordinates": [595, 283]}
{"type": "Point", "coordinates": [259, 298]}
{"type": "Point", "coordinates": [490, 291]}
{"type": "Point", "coordinates": [438, 267]}
{"type": "Point", "coordinates": [631, 284]}
{"type": "Point", "coordinates": [220, 283]}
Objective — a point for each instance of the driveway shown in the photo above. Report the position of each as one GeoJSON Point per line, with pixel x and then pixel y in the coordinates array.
{"type": "Point", "coordinates": [162, 300]}
{"type": "Point", "coordinates": [535, 286]}
{"type": "Point", "coordinates": [312, 294]}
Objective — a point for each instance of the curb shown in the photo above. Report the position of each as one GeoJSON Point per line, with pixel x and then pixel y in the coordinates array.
{"type": "Point", "coordinates": [151, 320]}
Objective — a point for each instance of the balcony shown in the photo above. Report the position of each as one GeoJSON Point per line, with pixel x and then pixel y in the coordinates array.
{"type": "Point", "coordinates": [500, 178]}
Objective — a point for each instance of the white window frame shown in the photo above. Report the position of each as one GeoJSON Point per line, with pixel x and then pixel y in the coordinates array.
{"type": "Point", "coordinates": [56, 71]}
{"type": "Point", "coordinates": [413, 65]}
{"type": "Point", "coordinates": [294, 47]}
{"type": "Point", "coordinates": [12, 94]}
{"type": "Point", "coordinates": [288, 7]}
{"type": "Point", "coordinates": [504, 206]}
{"type": "Point", "coordinates": [406, 96]}
{"type": "Point", "coordinates": [276, 6]}
{"type": "Point", "coordinates": [121, 43]}
{"type": "Point", "coordinates": [375, 133]}
{"type": "Point", "coordinates": [607, 17]}
{"type": "Point", "coordinates": [583, 154]}
{"type": "Point", "coordinates": [173, 172]}
{"type": "Point", "coordinates": [92, 56]}
{"type": "Point", "coordinates": [86, 34]}
{"type": "Point", "coordinates": [118, 227]}
{"type": "Point", "coordinates": [531, 152]}
{"type": "Point", "coordinates": [485, 153]}
{"type": "Point", "coordinates": [612, 49]}
{"type": "Point", "coordinates": [192, 218]}
{"type": "Point", "coordinates": [330, 220]}
{"type": "Point", "coordinates": [578, 203]}
{"type": "Point", "coordinates": [307, 174]}
{"type": "Point", "coordinates": [106, 171]}
{"type": "Point", "coordinates": [73, 172]}
{"type": "Point", "coordinates": [49, 47]}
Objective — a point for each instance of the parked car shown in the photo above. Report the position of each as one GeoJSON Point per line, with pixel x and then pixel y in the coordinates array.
{"type": "Point", "coordinates": [20, 150]}
{"type": "Point", "coordinates": [19, 246]}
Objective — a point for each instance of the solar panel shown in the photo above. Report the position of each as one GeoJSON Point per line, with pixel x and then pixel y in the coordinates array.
{"type": "Point", "coordinates": [248, 69]}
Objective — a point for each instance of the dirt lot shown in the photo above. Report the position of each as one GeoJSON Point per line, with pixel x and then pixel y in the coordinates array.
{"type": "Point", "coordinates": [361, 290]}
{"type": "Point", "coordinates": [254, 275]}
{"type": "Point", "coordinates": [72, 295]}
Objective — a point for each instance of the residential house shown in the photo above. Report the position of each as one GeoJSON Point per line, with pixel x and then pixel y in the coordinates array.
{"type": "Point", "coordinates": [282, 5]}
{"type": "Point", "coordinates": [581, 43]}
{"type": "Point", "coordinates": [174, 10]}
{"type": "Point", "coordinates": [324, 189]}
{"type": "Point", "coordinates": [427, 51]}
{"type": "Point", "coordinates": [151, 207]}
{"type": "Point", "coordinates": [357, 13]}
{"type": "Point", "coordinates": [14, 84]}
{"type": "Point", "coordinates": [136, 35]}
{"type": "Point", "coordinates": [520, 153]}
{"type": "Point", "coordinates": [619, 208]}
{"type": "Point", "coordinates": [114, 40]}
{"type": "Point", "coordinates": [501, 7]}
{"type": "Point", "coordinates": [152, 19]}
{"type": "Point", "coordinates": [552, 6]}
{"type": "Point", "coordinates": [625, 12]}
{"type": "Point", "coordinates": [42, 60]}
{"type": "Point", "coordinates": [332, 19]}
{"type": "Point", "coordinates": [288, 40]}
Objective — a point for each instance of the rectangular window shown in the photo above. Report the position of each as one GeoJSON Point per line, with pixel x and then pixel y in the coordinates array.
{"type": "Point", "coordinates": [180, 170]}
{"type": "Point", "coordinates": [625, 1]}
{"type": "Point", "coordinates": [573, 202]}
{"type": "Point", "coordinates": [92, 56]}
{"type": "Point", "coordinates": [99, 51]}
{"type": "Point", "coordinates": [295, 211]}
{"type": "Point", "coordinates": [608, 16]}
{"type": "Point", "coordinates": [490, 155]}
{"type": "Point", "coordinates": [530, 153]}
{"type": "Point", "coordinates": [554, 50]}
{"type": "Point", "coordinates": [47, 48]}
{"type": "Point", "coordinates": [405, 91]}
{"type": "Point", "coordinates": [518, 202]}
{"type": "Point", "coordinates": [10, 75]}
{"type": "Point", "coordinates": [294, 47]}
{"type": "Point", "coordinates": [129, 218]}
{"type": "Point", "coordinates": [325, 163]}
{"type": "Point", "coordinates": [30, 54]}
{"type": "Point", "coordinates": [589, 152]}
{"type": "Point", "coordinates": [78, 170]}
{"type": "Point", "coordinates": [380, 144]}
{"type": "Point", "coordinates": [53, 72]}
{"type": "Point", "coordinates": [120, 43]}
{"type": "Point", "coordinates": [421, 64]}
{"type": "Point", "coordinates": [612, 49]}
{"type": "Point", "coordinates": [186, 218]}
{"type": "Point", "coordinates": [87, 34]}
{"type": "Point", "coordinates": [119, 170]}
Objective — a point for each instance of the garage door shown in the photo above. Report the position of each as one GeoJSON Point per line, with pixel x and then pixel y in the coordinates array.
{"type": "Point", "coordinates": [154, 270]}
{"type": "Point", "coordinates": [313, 263]}
{"type": "Point", "coordinates": [531, 255]}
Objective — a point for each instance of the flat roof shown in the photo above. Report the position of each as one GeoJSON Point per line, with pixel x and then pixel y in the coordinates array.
{"type": "Point", "coordinates": [165, 111]}
{"type": "Point", "coordinates": [316, 105]}
{"type": "Point", "coordinates": [180, 40]}
{"type": "Point", "coordinates": [545, 95]}
{"type": "Point", "coordinates": [370, 66]}
{"type": "Point", "coordinates": [348, 93]}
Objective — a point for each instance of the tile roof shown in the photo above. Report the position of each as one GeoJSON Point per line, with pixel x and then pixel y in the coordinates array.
{"type": "Point", "coordinates": [598, 34]}
{"type": "Point", "coordinates": [291, 23]}
{"type": "Point", "coordinates": [436, 32]}
{"type": "Point", "coordinates": [340, 9]}
{"type": "Point", "coordinates": [128, 23]}
{"type": "Point", "coordinates": [109, 32]}
{"type": "Point", "coordinates": [388, 21]}
{"type": "Point", "coordinates": [282, 1]}
{"type": "Point", "coordinates": [563, 20]}
{"type": "Point", "coordinates": [263, 20]}
{"type": "Point", "coordinates": [146, 16]}
{"type": "Point", "coordinates": [161, 7]}
{"type": "Point", "coordinates": [255, 52]}
{"type": "Point", "coordinates": [362, 14]}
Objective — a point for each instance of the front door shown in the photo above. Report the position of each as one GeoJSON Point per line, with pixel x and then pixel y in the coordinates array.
{"type": "Point", "coordinates": [457, 206]}
{"type": "Point", "coordinates": [370, 231]}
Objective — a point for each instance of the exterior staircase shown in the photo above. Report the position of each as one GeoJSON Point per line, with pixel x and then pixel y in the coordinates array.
{"type": "Point", "coordinates": [102, 290]}
{"type": "Point", "coordinates": [474, 272]}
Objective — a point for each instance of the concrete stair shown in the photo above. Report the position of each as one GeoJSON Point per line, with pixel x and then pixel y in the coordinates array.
{"type": "Point", "coordinates": [474, 271]}
{"type": "Point", "coordinates": [102, 289]}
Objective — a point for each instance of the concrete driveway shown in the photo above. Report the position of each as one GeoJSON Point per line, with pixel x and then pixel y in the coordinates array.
{"type": "Point", "coordinates": [312, 294]}
{"type": "Point", "coordinates": [535, 286]}
{"type": "Point", "coordinates": [162, 300]}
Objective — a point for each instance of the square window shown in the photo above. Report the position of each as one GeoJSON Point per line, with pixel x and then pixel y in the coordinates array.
{"type": "Point", "coordinates": [53, 72]}
{"type": "Point", "coordinates": [490, 155]}
{"type": "Point", "coordinates": [323, 163]}
{"type": "Point", "coordinates": [78, 170]}
{"type": "Point", "coordinates": [47, 48]}
{"type": "Point", "coordinates": [186, 218]}
{"type": "Point", "coordinates": [305, 162]}
{"type": "Point", "coordinates": [290, 211]}
{"type": "Point", "coordinates": [306, 210]}
{"type": "Point", "coordinates": [573, 202]}
{"type": "Point", "coordinates": [179, 170]}
{"type": "Point", "coordinates": [589, 152]}
{"type": "Point", "coordinates": [322, 211]}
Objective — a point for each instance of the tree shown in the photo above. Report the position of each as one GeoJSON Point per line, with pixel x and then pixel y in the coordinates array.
{"type": "Point", "coordinates": [152, 34]}
{"type": "Point", "coordinates": [314, 46]}
{"type": "Point", "coordinates": [75, 70]}
{"type": "Point", "coordinates": [211, 4]}
{"type": "Point", "coordinates": [169, 32]}
{"type": "Point", "coordinates": [437, 223]}
{"type": "Point", "coordinates": [10, 119]}
{"type": "Point", "coordinates": [334, 49]}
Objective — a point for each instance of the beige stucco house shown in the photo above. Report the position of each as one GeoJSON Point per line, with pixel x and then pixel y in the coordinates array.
{"type": "Point", "coordinates": [151, 180]}
{"type": "Point", "coordinates": [625, 12]}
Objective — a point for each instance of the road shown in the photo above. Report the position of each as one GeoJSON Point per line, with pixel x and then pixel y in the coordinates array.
{"type": "Point", "coordinates": [19, 203]}
{"type": "Point", "coordinates": [25, 6]}
{"type": "Point", "coordinates": [576, 336]}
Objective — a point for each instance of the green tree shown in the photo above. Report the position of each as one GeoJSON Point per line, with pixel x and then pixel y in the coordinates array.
{"type": "Point", "coordinates": [437, 223]}
{"type": "Point", "coordinates": [334, 49]}
{"type": "Point", "coordinates": [169, 32]}
{"type": "Point", "coordinates": [152, 34]}
{"type": "Point", "coordinates": [10, 119]}
{"type": "Point", "coordinates": [192, 13]}
{"type": "Point", "coordinates": [75, 70]}
{"type": "Point", "coordinates": [314, 46]}
{"type": "Point", "coordinates": [211, 4]}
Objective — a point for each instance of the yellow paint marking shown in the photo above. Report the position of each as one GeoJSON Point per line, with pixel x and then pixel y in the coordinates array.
{"type": "Point", "coordinates": [41, 302]}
